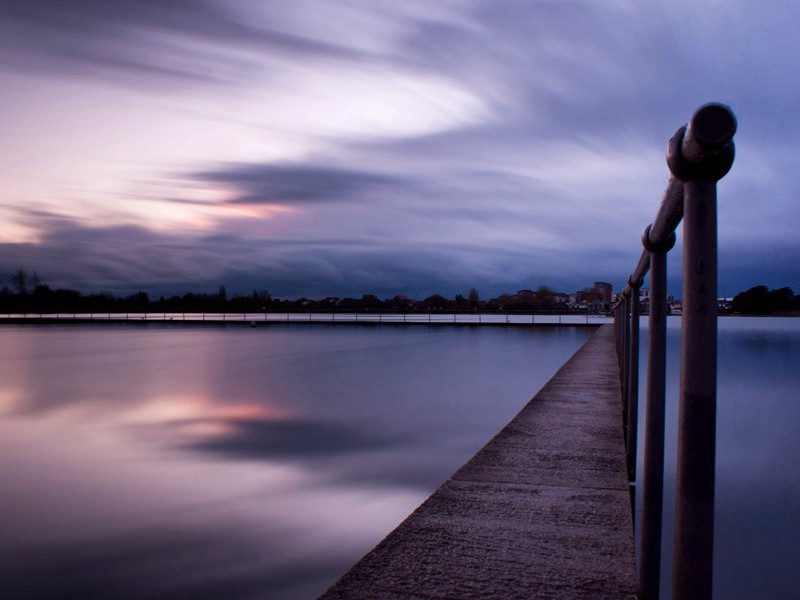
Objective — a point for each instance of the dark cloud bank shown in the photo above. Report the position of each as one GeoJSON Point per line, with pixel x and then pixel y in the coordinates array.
{"type": "Point", "coordinates": [444, 211]}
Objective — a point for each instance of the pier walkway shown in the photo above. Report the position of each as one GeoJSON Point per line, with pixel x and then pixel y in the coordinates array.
{"type": "Point", "coordinates": [542, 511]}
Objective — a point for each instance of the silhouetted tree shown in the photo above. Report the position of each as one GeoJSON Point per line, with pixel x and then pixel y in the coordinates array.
{"type": "Point", "coordinates": [473, 298]}
{"type": "Point", "coordinates": [20, 281]}
{"type": "Point", "coordinates": [370, 302]}
{"type": "Point", "coordinates": [138, 302]}
{"type": "Point", "coordinates": [42, 298]}
{"type": "Point", "coordinates": [435, 302]}
{"type": "Point", "coordinates": [759, 300]}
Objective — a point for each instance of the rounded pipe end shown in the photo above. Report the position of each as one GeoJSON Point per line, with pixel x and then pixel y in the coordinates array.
{"type": "Point", "coordinates": [713, 124]}
{"type": "Point", "coordinates": [690, 161]}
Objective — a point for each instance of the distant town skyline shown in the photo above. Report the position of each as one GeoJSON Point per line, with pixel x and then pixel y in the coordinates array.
{"type": "Point", "coordinates": [319, 148]}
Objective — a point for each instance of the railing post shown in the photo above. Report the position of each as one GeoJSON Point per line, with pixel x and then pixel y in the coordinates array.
{"type": "Point", "coordinates": [626, 358]}
{"type": "Point", "coordinates": [633, 380]}
{"type": "Point", "coordinates": [699, 155]}
{"type": "Point", "coordinates": [653, 478]}
{"type": "Point", "coordinates": [618, 334]}
{"type": "Point", "coordinates": [694, 516]}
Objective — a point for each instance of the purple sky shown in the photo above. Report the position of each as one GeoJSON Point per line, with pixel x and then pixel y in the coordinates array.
{"type": "Point", "coordinates": [346, 147]}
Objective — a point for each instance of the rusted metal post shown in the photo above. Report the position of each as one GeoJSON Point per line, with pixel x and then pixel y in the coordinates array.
{"type": "Point", "coordinates": [653, 477]}
{"type": "Point", "coordinates": [694, 533]}
{"type": "Point", "coordinates": [633, 381]}
{"type": "Point", "coordinates": [699, 155]}
{"type": "Point", "coordinates": [626, 355]}
{"type": "Point", "coordinates": [635, 281]}
{"type": "Point", "coordinates": [618, 335]}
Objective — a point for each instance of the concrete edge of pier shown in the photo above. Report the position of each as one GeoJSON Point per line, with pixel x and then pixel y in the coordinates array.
{"type": "Point", "coordinates": [541, 511]}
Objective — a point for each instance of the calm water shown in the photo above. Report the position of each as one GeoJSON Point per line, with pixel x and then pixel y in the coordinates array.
{"type": "Point", "coordinates": [228, 462]}
{"type": "Point", "coordinates": [757, 510]}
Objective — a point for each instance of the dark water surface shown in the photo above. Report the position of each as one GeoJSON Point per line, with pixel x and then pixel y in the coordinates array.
{"type": "Point", "coordinates": [142, 461]}
{"type": "Point", "coordinates": [757, 506]}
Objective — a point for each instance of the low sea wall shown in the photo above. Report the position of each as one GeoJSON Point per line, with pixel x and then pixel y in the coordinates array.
{"type": "Point", "coordinates": [432, 318]}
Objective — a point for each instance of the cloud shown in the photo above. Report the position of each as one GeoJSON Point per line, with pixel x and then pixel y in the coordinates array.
{"type": "Point", "coordinates": [166, 42]}
{"type": "Point", "coordinates": [274, 183]}
{"type": "Point", "coordinates": [353, 232]}
{"type": "Point", "coordinates": [453, 144]}
{"type": "Point", "coordinates": [113, 258]}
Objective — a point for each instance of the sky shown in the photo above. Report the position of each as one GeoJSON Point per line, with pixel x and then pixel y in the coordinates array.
{"type": "Point", "coordinates": [348, 147]}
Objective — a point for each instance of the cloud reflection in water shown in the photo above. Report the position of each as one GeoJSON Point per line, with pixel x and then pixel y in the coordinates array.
{"type": "Point", "coordinates": [225, 462]}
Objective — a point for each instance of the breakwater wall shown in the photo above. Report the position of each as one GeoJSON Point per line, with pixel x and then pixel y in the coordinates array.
{"type": "Point", "coordinates": [433, 318]}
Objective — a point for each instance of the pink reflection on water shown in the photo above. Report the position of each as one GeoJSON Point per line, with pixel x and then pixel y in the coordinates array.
{"type": "Point", "coordinates": [86, 484]}
{"type": "Point", "coordinates": [102, 472]}
{"type": "Point", "coordinates": [232, 462]}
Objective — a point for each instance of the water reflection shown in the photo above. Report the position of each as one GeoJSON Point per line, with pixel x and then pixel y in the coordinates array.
{"type": "Point", "coordinates": [757, 506]}
{"type": "Point", "coordinates": [214, 462]}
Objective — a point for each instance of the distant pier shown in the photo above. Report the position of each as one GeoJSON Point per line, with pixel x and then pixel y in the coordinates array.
{"type": "Point", "coordinates": [257, 318]}
{"type": "Point", "coordinates": [542, 511]}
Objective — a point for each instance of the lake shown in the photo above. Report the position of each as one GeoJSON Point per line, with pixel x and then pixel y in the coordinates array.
{"type": "Point", "coordinates": [217, 461]}
{"type": "Point", "coordinates": [212, 461]}
{"type": "Point", "coordinates": [757, 502]}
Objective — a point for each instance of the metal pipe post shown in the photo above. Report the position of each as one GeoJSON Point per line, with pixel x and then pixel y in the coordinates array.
{"type": "Point", "coordinates": [620, 343]}
{"type": "Point", "coordinates": [699, 155]}
{"type": "Point", "coordinates": [626, 355]}
{"type": "Point", "coordinates": [694, 514]}
{"type": "Point", "coordinates": [616, 330]}
{"type": "Point", "coordinates": [633, 384]}
{"type": "Point", "coordinates": [653, 479]}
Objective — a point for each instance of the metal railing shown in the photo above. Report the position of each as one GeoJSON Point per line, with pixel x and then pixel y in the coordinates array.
{"type": "Point", "coordinates": [698, 155]}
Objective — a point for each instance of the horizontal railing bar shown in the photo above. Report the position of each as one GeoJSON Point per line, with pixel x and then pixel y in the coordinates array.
{"type": "Point", "coordinates": [670, 213]}
{"type": "Point", "coordinates": [706, 139]}
{"type": "Point", "coordinates": [639, 273]}
{"type": "Point", "coordinates": [668, 217]}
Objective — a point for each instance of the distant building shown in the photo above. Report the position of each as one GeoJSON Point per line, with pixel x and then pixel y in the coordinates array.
{"type": "Point", "coordinates": [604, 291]}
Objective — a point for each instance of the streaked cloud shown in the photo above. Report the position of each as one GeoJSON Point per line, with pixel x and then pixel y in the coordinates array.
{"type": "Point", "coordinates": [273, 183]}
{"type": "Point", "coordinates": [356, 147]}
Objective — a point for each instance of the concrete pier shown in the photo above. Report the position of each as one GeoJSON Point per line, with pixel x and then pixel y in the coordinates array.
{"type": "Point", "coordinates": [541, 511]}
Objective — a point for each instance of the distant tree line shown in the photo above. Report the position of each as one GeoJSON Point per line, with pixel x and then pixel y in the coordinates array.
{"type": "Point", "coordinates": [759, 300]}
{"type": "Point", "coordinates": [30, 294]}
